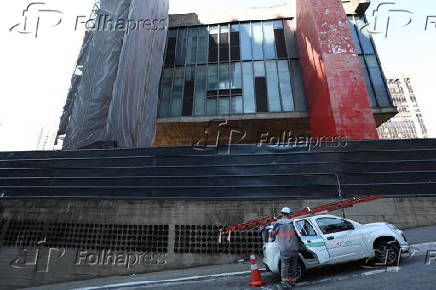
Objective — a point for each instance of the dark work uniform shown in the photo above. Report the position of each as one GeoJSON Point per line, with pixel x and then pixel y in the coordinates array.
{"type": "Point", "coordinates": [289, 242]}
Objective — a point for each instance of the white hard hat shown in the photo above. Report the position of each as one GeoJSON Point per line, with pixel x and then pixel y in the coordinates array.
{"type": "Point", "coordinates": [286, 210]}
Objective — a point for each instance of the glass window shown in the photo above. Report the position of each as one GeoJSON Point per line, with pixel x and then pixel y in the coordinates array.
{"type": "Point", "coordinates": [355, 37]}
{"type": "Point", "coordinates": [269, 41]}
{"type": "Point", "coordinates": [170, 57]}
{"type": "Point", "coordinates": [209, 77]}
{"type": "Point", "coordinates": [257, 40]}
{"type": "Point", "coordinates": [364, 36]}
{"type": "Point", "coordinates": [235, 49]}
{"type": "Point", "coordinates": [165, 92]}
{"type": "Point", "coordinates": [200, 90]}
{"type": "Point", "coordinates": [224, 43]}
{"type": "Point", "coordinates": [213, 43]}
{"type": "Point", "coordinates": [182, 42]}
{"type": "Point", "coordinates": [191, 57]}
{"type": "Point", "coordinates": [285, 85]}
{"type": "Point", "coordinates": [245, 33]}
{"type": "Point", "coordinates": [367, 81]}
{"type": "Point", "coordinates": [248, 83]}
{"type": "Point", "coordinates": [224, 89]}
{"type": "Point", "coordinates": [273, 93]}
{"type": "Point", "coordinates": [177, 95]}
{"type": "Point", "coordinates": [333, 225]}
{"type": "Point", "coordinates": [377, 81]}
{"type": "Point", "coordinates": [280, 40]}
{"type": "Point", "coordinates": [188, 92]}
{"type": "Point", "coordinates": [290, 38]}
{"type": "Point", "coordinates": [236, 88]}
{"type": "Point", "coordinates": [305, 228]}
{"type": "Point", "coordinates": [202, 52]}
{"type": "Point", "coordinates": [212, 89]}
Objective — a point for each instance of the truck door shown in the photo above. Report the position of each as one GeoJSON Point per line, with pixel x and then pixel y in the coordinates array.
{"type": "Point", "coordinates": [342, 241]}
{"type": "Point", "coordinates": [314, 243]}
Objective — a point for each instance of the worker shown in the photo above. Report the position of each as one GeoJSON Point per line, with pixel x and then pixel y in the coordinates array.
{"type": "Point", "coordinates": [290, 245]}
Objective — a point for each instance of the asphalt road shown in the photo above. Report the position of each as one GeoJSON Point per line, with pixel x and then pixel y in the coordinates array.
{"type": "Point", "coordinates": [413, 273]}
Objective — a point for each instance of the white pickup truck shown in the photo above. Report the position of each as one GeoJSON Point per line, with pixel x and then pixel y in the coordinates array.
{"type": "Point", "coordinates": [332, 240]}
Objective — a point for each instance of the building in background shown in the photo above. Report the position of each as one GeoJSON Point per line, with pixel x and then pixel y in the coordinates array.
{"type": "Point", "coordinates": [47, 140]}
{"type": "Point", "coordinates": [408, 123]}
{"type": "Point", "coordinates": [258, 71]}
{"type": "Point", "coordinates": [271, 73]}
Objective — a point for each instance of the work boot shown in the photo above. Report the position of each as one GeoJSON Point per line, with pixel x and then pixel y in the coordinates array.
{"type": "Point", "coordinates": [286, 285]}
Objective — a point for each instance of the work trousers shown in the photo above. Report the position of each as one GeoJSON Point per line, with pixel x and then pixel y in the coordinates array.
{"type": "Point", "coordinates": [289, 261]}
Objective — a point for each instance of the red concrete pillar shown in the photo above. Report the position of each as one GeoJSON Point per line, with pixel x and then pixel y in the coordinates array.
{"type": "Point", "coordinates": [339, 103]}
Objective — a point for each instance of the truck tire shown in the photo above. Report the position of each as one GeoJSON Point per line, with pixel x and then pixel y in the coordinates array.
{"type": "Point", "coordinates": [387, 254]}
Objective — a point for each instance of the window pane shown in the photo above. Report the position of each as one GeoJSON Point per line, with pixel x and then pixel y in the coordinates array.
{"type": "Point", "coordinates": [280, 41]}
{"type": "Point", "coordinates": [235, 49]}
{"type": "Point", "coordinates": [200, 90]}
{"type": "Point", "coordinates": [212, 86]}
{"type": "Point", "coordinates": [236, 75]}
{"type": "Point", "coordinates": [364, 37]}
{"type": "Point", "coordinates": [285, 86]}
{"type": "Point", "coordinates": [192, 46]}
{"type": "Point", "coordinates": [165, 92]}
{"type": "Point", "coordinates": [224, 86]}
{"type": "Point", "coordinates": [378, 81]}
{"type": "Point", "coordinates": [332, 225]}
{"type": "Point", "coordinates": [354, 33]}
{"type": "Point", "coordinates": [188, 92]}
{"type": "Point", "coordinates": [290, 38]}
{"type": "Point", "coordinates": [257, 40]}
{"type": "Point", "coordinates": [274, 103]}
{"type": "Point", "coordinates": [368, 81]}
{"type": "Point", "coordinates": [177, 95]}
{"type": "Point", "coordinates": [224, 43]}
{"type": "Point", "coordinates": [170, 57]}
{"type": "Point", "coordinates": [269, 43]}
{"type": "Point", "coordinates": [213, 43]}
{"type": "Point", "coordinates": [248, 83]}
{"type": "Point", "coordinates": [260, 87]}
{"type": "Point", "coordinates": [246, 53]}
{"type": "Point", "coordinates": [203, 37]}
{"type": "Point", "coordinates": [182, 41]}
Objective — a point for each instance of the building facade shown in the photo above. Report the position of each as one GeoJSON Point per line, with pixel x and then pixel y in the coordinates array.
{"type": "Point", "coordinates": [304, 68]}
{"type": "Point", "coordinates": [249, 69]}
{"type": "Point", "coordinates": [408, 124]}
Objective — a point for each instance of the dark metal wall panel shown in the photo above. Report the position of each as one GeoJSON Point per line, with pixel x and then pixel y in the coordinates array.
{"type": "Point", "coordinates": [245, 172]}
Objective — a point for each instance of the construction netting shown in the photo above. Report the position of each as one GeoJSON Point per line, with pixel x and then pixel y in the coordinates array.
{"type": "Point", "coordinates": [113, 97]}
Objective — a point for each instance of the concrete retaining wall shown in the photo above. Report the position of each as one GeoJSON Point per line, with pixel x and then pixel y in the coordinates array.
{"type": "Point", "coordinates": [27, 263]}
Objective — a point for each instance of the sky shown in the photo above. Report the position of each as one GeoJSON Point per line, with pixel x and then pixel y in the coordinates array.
{"type": "Point", "coordinates": [36, 71]}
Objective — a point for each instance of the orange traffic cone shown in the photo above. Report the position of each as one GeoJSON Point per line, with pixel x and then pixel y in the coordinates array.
{"type": "Point", "coordinates": [256, 279]}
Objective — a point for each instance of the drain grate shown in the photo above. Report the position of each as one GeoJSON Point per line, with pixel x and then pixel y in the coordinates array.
{"type": "Point", "coordinates": [203, 239]}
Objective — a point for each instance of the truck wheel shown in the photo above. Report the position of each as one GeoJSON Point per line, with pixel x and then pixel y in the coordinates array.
{"type": "Point", "coordinates": [387, 253]}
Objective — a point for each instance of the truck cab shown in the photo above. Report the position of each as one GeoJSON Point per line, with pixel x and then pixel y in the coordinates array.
{"type": "Point", "coordinates": [332, 240]}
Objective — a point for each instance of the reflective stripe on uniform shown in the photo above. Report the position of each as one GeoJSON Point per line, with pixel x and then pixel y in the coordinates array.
{"type": "Point", "coordinates": [286, 234]}
{"type": "Point", "coordinates": [289, 279]}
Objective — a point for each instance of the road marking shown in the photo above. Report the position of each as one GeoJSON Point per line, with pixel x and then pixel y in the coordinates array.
{"type": "Point", "coordinates": [145, 283]}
